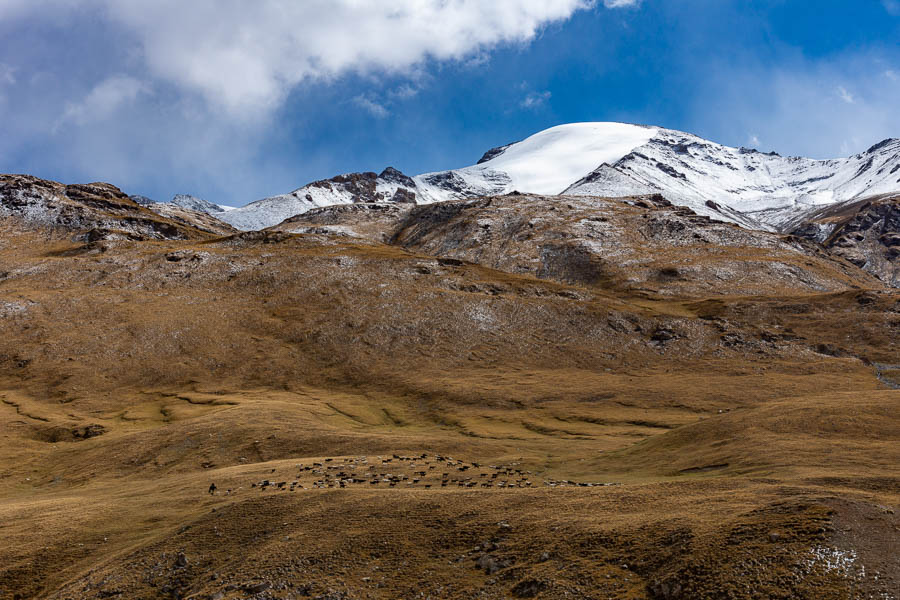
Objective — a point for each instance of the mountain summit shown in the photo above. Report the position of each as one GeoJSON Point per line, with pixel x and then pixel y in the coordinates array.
{"type": "Point", "coordinates": [740, 185]}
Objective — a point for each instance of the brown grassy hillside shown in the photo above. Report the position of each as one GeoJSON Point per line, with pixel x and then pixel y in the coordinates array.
{"type": "Point", "coordinates": [739, 444]}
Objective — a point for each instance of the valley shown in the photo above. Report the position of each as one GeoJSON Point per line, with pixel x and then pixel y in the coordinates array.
{"type": "Point", "coordinates": [518, 395]}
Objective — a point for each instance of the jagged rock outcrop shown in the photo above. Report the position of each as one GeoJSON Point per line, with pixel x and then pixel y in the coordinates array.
{"type": "Point", "coordinates": [637, 243]}
{"type": "Point", "coordinates": [372, 221]}
{"type": "Point", "coordinates": [865, 233]}
{"type": "Point", "coordinates": [97, 210]}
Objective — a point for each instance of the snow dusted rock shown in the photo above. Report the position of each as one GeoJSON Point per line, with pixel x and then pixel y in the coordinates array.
{"type": "Point", "coordinates": [191, 211]}
{"type": "Point", "coordinates": [203, 220]}
{"type": "Point", "coordinates": [195, 203]}
{"type": "Point", "coordinates": [96, 211]}
{"type": "Point", "coordinates": [183, 201]}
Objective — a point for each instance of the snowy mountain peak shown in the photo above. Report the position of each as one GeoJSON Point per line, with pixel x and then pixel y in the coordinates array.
{"type": "Point", "coordinates": [545, 163]}
{"type": "Point", "coordinates": [549, 161]}
{"type": "Point", "coordinates": [889, 143]}
{"type": "Point", "coordinates": [740, 185]}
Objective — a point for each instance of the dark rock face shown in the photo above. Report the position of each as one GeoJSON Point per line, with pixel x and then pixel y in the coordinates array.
{"type": "Point", "coordinates": [88, 431]}
{"type": "Point", "coordinates": [528, 588]}
{"type": "Point", "coordinates": [871, 240]}
{"type": "Point", "coordinates": [363, 187]}
{"type": "Point", "coordinates": [882, 144]}
{"type": "Point", "coordinates": [574, 263]}
{"type": "Point", "coordinates": [404, 196]}
{"type": "Point", "coordinates": [865, 233]}
{"type": "Point", "coordinates": [142, 200]}
{"type": "Point", "coordinates": [392, 175]}
{"type": "Point", "coordinates": [448, 180]}
{"type": "Point", "coordinates": [360, 185]}
{"type": "Point", "coordinates": [494, 153]}
{"type": "Point", "coordinates": [670, 170]}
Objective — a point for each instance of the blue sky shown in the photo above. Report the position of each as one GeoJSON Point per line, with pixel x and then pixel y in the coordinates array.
{"type": "Point", "coordinates": [232, 104]}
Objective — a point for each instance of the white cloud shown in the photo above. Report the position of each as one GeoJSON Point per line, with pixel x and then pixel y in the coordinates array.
{"type": "Point", "coordinates": [404, 92]}
{"type": "Point", "coordinates": [372, 107]}
{"type": "Point", "coordinates": [620, 3]}
{"type": "Point", "coordinates": [892, 6]}
{"type": "Point", "coordinates": [190, 89]}
{"type": "Point", "coordinates": [104, 99]}
{"type": "Point", "coordinates": [535, 100]}
{"type": "Point", "coordinates": [753, 140]}
{"type": "Point", "coordinates": [795, 108]}
{"type": "Point", "coordinates": [247, 57]}
{"type": "Point", "coordinates": [844, 95]}
{"type": "Point", "coordinates": [477, 60]}
{"type": "Point", "coordinates": [380, 105]}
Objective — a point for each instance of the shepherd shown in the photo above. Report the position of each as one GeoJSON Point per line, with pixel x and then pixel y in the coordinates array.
{"type": "Point", "coordinates": [212, 488]}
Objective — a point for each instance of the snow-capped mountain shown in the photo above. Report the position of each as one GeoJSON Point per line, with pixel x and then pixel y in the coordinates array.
{"type": "Point", "coordinates": [184, 201]}
{"type": "Point", "coordinates": [545, 163]}
{"type": "Point", "coordinates": [739, 185]}
{"type": "Point", "coordinates": [389, 186]}
{"type": "Point", "coordinates": [742, 185]}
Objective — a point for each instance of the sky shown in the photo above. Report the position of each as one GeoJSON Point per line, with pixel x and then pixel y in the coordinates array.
{"type": "Point", "coordinates": [233, 101]}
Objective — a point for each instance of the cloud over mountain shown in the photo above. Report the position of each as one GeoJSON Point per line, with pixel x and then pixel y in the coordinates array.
{"type": "Point", "coordinates": [245, 57]}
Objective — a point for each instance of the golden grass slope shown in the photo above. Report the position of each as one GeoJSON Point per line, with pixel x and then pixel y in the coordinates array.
{"type": "Point", "coordinates": [752, 438]}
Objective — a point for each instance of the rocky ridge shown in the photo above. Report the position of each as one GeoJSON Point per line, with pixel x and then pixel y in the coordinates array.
{"type": "Point", "coordinates": [99, 210]}
{"type": "Point", "coordinates": [389, 186]}
{"type": "Point", "coordinates": [634, 243]}
{"type": "Point", "coordinates": [864, 232]}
